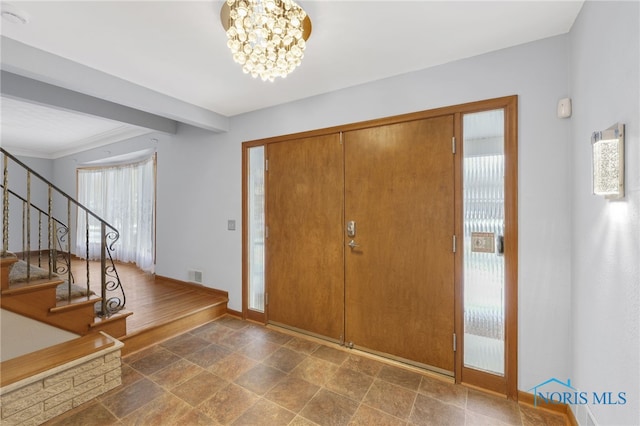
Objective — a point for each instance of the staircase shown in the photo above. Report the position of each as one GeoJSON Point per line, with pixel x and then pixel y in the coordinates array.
{"type": "Point", "coordinates": [37, 281]}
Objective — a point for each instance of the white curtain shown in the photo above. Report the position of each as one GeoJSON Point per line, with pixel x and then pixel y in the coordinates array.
{"type": "Point", "coordinates": [124, 197]}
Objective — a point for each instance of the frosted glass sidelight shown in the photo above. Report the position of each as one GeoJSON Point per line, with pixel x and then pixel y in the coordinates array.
{"type": "Point", "coordinates": [256, 228]}
{"type": "Point", "coordinates": [483, 209]}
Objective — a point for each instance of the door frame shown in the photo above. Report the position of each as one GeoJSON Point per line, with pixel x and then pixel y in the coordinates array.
{"type": "Point", "coordinates": [509, 385]}
{"type": "Point", "coordinates": [247, 313]}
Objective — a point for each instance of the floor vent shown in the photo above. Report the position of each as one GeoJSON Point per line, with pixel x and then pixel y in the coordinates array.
{"type": "Point", "coordinates": [195, 276]}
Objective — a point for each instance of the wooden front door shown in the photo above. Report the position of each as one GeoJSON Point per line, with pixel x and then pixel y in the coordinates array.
{"type": "Point", "coordinates": [399, 191]}
{"type": "Point", "coordinates": [305, 257]}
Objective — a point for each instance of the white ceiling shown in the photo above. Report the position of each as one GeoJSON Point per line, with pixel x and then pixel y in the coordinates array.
{"type": "Point", "coordinates": [52, 133]}
{"type": "Point", "coordinates": [178, 48]}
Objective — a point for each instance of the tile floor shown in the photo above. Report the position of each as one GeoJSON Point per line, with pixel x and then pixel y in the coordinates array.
{"type": "Point", "coordinates": [232, 372]}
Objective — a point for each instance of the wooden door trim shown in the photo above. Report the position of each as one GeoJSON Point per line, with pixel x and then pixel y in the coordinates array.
{"type": "Point", "coordinates": [509, 385]}
{"type": "Point", "coordinates": [252, 315]}
{"type": "Point", "coordinates": [510, 104]}
{"type": "Point", "coordinates": [458, 230]}
{"type": "Point", "coordinates": [511, 248]}
{"type": "Point", "coordinates": [449, 110]}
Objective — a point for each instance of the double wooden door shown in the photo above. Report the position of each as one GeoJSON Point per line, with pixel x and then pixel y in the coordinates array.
{"type": "Point", "coordinates": [386, 284]}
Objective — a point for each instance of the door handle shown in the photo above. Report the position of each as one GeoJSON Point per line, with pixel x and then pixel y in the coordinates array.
{"type": "Point", "coordinates": [353, 244]}
{"type": "Point", "coordinates": [351, 228]}
{"type": "Point", "coordinates": [500, 245]}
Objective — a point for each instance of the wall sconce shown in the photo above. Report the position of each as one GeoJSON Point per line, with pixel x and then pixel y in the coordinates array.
{"type": "Point", "coordinates": [608, 162]}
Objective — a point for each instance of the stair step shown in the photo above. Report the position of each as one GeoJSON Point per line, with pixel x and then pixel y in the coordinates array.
{"type": "Point", "coordinates": [32, 286]}
{"type": "Point", "coordinates": [76, 303]}
{"type": "Point", "coordinates": [169, 328]}
{"type": "Point", "coordinates": [115, 317]}
{"type": "Point", "coordinates": [5, 265]}
{"type": "Point", "coordinates": [115, 325]}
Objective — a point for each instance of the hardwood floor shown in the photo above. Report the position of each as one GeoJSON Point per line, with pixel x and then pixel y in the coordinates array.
{"type": "Point", "coordinates": [161, 308]}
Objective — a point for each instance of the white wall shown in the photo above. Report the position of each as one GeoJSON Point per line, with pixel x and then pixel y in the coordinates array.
{"type": "Point", "coordinates": [605, 74]}
{"type": "Point", "coordinates": [199, 180]}
{"type": "Point", "coordinates": [537, 72]}
{"type": "Point", "coordinates": [20, 335]}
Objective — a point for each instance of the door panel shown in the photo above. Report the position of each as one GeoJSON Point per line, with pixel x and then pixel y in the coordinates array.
{"type": "Point", "coordinates": [399, 291]}
{"type": "Point", "coordinates": [305, 258]}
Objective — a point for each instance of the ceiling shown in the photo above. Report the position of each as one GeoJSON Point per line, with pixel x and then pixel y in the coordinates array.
{"type": "Point", "coordinates": [177, 49]}
{"type": "Point", "coordinates": [51, 133]}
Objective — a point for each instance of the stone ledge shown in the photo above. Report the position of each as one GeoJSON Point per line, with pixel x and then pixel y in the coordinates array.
{"type": "Point", "coordinates": [34, 400]}
{"type": "Point", "coordinates": [61, 363]}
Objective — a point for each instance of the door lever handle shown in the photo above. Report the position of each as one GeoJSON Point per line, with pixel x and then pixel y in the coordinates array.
{"type": "Point", "coordinates": [353, 244]}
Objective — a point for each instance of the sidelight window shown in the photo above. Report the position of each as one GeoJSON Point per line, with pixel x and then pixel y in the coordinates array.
{"type": "Point", "coordinates": [256, 227]}
{"type": "Point", "coordinates": [483, 200]}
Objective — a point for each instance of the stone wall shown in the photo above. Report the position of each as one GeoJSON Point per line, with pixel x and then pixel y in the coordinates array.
{"type": "Point", "coordinates": [37, 399]}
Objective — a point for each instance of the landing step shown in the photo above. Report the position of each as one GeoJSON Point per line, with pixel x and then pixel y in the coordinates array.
{"type": "Point", "coordinates": [167, 329]}
{"type": "Point", "coordinates": [31, 286]}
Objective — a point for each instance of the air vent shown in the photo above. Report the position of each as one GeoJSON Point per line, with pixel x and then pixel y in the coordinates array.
{"type": "Point", "coordinates": [195, 276]}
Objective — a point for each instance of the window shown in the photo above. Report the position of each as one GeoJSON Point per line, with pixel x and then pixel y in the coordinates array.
{"type": "Point", "coordinates": [255, 240]}
{"type": "Point", "coordinates": [124, 196]}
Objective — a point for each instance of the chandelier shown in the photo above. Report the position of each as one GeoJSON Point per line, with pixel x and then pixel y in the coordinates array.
{"type": "Point", "coordinates": [266, 37]}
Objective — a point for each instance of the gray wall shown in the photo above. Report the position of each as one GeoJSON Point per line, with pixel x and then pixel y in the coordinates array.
{"type": "Point", "coordinates": [18, 183]}
{"type": "Point", "coordinates": [199, 180]}
{"type": "Point", "coordinates": [579, 313]}
{"type": "Point", "coordinates": [605, 297]}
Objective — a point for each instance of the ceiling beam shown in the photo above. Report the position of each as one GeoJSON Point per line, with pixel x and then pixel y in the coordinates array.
{"type": "Point", "coordinates": [41, 66]}
{"type": "Point", "coordinates": [26, 89]}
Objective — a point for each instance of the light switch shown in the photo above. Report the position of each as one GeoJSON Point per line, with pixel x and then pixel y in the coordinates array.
{"type": "Point", "coordinates": [231, 225]}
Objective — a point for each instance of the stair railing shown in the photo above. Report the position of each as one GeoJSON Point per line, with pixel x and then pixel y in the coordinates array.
{"type": "Point", "coordinates": [58, 236]}
{"type": "Point", "coordinates": [61, 257]}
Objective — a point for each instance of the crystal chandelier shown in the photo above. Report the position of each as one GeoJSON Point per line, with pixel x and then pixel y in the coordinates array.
{"type": "Point", "coordinates": [266, 37]}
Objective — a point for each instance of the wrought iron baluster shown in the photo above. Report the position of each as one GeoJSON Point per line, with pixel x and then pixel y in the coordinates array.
{"type": "Point", "coordinates": [103, 268]}
{"type": "Point", "coordinates": [28, 225]}
{"type": "Point", "coordinates": [5, 204]}
{"type": "Point", "coordinates": [39, 239]}
{"type": "Point", "coordinates": [54, 248]}
{"type": "Point", "coordinates": [69, 246]}
{"type": "Point", "coordinates": [51, 231]}
{"type": "Point", "coordinates": [24, 236]}
{"type": "Point", "coordinates": [86, 212]}
{"type": "Point", "coordinates": [114, 304]}
{"type": "Point", "coordinates": [23, 215]}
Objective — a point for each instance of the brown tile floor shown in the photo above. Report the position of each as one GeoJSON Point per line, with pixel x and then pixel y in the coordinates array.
{"type": "Point", "coordinates": [231, 372]}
